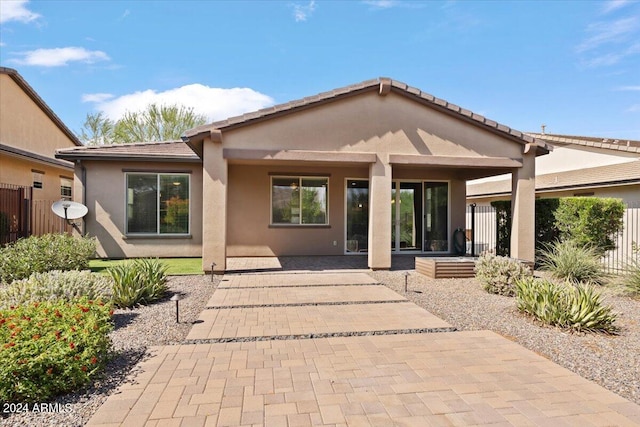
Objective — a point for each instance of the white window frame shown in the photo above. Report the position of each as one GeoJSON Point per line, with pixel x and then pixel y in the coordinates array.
{"type": "Point", "coordinates": [157, 232]}
{"type": "Point", "coordinates": [299, 178]}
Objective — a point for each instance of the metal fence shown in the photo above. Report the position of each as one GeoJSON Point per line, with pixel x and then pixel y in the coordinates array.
{"type": "Point", "coordinates": [21, 216]}
{"type": "Point", "coordinates": [615, 262]}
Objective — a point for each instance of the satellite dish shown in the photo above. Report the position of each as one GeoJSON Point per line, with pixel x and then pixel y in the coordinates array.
{"type": "Point", "coordinates": [69, 210]}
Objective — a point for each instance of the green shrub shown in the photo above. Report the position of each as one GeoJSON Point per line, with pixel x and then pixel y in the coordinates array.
{"type": "Point", "coordinates": [569, 260]}
{"type": "Point", "coordinates": [498, 274]}
{"type": "Point", "coordinates": [44, 253]}
{"type": "Point", "coordinates": [51, 348]}
{"type": "Point", "coordinates": [141, 281]}
{"type": "Point", "coordinates": [567, 306]}
{"type": "Point", "coordinates": [590, 221]}
{"type": "Point", "coordinates": [56, 285]}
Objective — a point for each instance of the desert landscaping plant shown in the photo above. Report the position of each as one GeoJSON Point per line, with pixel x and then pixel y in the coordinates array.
{"type": "Point", "coordinates": [56, 285]}
{"type": "Point", "coordinates": [140, 281]}
{"type": "Point", "coordinates": [568, 306]}
{"type": "Point", "coordinates": [632, 279]}
{"type": "Point", "coordinates": [38, 254]}
{"type": "Point", "coordinates": [51, 348]}
{"type": "Point", "coordinates": [571, 261]}
{"type": "Point", "coordinates": [498, 274]}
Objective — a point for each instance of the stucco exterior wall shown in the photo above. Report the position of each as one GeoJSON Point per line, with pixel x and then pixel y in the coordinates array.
{"type": "Point", "coordinates": [105, 197]}
{"type": "Point", "coordinates": [25, 125]}
{"type": "Point", "coordinates": [370, 123]}
{"type": "Point", "coordinates": [18, 171]}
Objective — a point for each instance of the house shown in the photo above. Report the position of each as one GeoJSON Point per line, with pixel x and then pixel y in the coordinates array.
{"type": "Point", "coordinates": [30, 133]}
{"type": "Point", "coordinates": [577, 166]}
{"type": "Point", "coordinates": [374, 168]}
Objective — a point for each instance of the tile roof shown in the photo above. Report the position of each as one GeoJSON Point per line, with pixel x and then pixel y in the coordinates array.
{"type": "Point", "coordinates": [627, 145]}
{"type": "Point", "coordinates": [20, 81]}
{"type": "Point", "coordinates": [165, 150]}
{"type": "Point", "coordinates": [622, 173]}
{"type": "Point", "coordinates": [383, 85]}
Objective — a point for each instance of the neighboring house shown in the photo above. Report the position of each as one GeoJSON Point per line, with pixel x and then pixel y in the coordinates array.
{"type": "Point", "coordinates": [30, 133]}
{"type": "Point", "coordinates": [577, 166]}
{"type": "Point", "coordinates": [377, 167]}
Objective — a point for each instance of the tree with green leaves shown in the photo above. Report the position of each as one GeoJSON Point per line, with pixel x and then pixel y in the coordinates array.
{"type": "Point", "coordinates": [155, 123]}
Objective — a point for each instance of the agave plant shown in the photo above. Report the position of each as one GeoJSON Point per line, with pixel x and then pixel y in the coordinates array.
{"type": "Point", "coordinates": [139, 282]}
{"type": "Point", "coordinates": [574, 307]}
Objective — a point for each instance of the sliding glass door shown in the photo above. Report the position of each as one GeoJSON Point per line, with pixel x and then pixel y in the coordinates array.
{"type": "Point", "coordinates": [436, 217]}
{"type": "Point", "coordinates": [357, 216]}
{"type": "Point", "coordinates": [406, 216]}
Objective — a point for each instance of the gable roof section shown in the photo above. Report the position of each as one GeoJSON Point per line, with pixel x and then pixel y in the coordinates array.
{"type": "Point", "coordinates": [626, 145]}
{"type": "Point", "coordinates": [383, 86]}
{"type": "Point", "coordinates": [170, 151]}
{"type": "Point", "coordinates": [22, 83]}
{"type": "Point", "coordinates": [600, 176]}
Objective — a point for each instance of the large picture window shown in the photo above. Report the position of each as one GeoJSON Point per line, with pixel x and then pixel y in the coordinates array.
{"type": "Point", "coordinates": [157, 203]}
{"type": "Point", "coordinates": [299, 200]}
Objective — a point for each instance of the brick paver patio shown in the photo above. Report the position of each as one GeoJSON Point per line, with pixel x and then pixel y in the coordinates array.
{"type": "Point", "coordinates": [296, 279]}
{"type": "Point", "coordinates": [417, 379]}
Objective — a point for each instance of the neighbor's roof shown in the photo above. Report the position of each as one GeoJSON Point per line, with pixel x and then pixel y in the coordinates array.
{"type": "Point", "coordinates": [39, 102]}
{"type": "Point", "coordinates": [600, 176]}
{"type": "Point", "coordinates": [383, 85]}
{"type": "Point", "coordinates": [627, 145]}
{"type": "Point", "coordinates": [159, 151]}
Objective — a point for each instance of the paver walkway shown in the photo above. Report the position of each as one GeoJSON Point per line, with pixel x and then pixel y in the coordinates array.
{"type": "Point", "coordinates": [407, 379]}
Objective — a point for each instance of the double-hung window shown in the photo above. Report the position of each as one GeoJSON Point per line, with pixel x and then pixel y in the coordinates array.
{"type": "Point", "coordinates": [157, 203]}
{"type": "Point", "coordinates": [299, 200]}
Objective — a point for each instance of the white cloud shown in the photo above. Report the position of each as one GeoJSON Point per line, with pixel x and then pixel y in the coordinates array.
{"type": "Point", "coordinates": [96, 97]}
{"type": "Point", "coordinates": [15, 10]}
{"type": "Point", "coordinates": [609, 32]}
{"type": "Point", "coordinates": [381, 4]}
{"type": "Point", "coordinates": [612, 5]}
{"type": "Point", "coordinates": [214, 103]}
{"type": "Point", "coordinates": [635, 108]}
{"type": "Point", "coordinates": [629, 88]}
{"type": "Point", "coordinates": [60, 56]}
{"type": "Point", "coordinates": [301, 12]}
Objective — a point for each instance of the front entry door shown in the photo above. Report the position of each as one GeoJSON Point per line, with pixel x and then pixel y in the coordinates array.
{"type": "Point", "coordinates": [406, 216]}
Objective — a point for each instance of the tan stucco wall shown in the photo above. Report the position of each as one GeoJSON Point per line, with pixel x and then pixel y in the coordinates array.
{"type": "Point", "coordinates": [249, 207]}
{"type": "Point", "coordinates": [371, 123]}
{"type": "Point", "coordinates": [628, 193]}
{"type": "Point", "coordinates": [18, 171]}
{"type": "Point", "coordinates": [105, 198]}
{"type": "Point", "coordinates": [25, 125]}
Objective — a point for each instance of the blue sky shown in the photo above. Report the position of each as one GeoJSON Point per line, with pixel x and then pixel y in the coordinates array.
{"type": "Point", "coordinates": [574, 66]}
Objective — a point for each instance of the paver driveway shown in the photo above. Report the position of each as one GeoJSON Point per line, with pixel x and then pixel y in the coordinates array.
{"type": "Point", "coordinates": [280, 377]}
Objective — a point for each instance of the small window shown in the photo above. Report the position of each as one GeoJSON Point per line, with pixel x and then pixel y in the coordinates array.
{"type": "Point", "coordinates": [299, 201]}
{"type": "Point", "coordinates": [157, 203]}
{"type": "Point", "coordinates": [66, 186]}
{"type": "Point", "coordinates": [38, 178]}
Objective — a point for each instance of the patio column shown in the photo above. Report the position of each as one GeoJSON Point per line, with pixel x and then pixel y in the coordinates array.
{"type": "Point", "coordinates": [379, 255]}
{"type": "Point", "coordinates": [523, 197]}
{"type": "Point", "coordinates": [214, 207]}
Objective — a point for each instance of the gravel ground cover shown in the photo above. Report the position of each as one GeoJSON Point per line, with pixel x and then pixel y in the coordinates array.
{"type": "Point", "coordinates": [611, 361]}
{"type": "Point", "coordinates": [135, 330]}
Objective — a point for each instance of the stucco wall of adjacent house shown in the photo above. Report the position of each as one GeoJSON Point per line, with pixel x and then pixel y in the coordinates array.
{"type": "Point", "coordinates": [104, 195]}
{"type": "Point", "coordinates": [372, 123]}
{"type": "Point", "coordinates": [25, 125]}
{"type": "Point", "coordinates": [18, 171]}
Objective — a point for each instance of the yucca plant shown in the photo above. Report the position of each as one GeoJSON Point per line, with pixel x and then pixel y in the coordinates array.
{"type": "Point", "coordinates": [570, 261]}
{"type": "Point", "coordinates": [139, 282]}
{"type": "Point", "coordinates": [568, 306]}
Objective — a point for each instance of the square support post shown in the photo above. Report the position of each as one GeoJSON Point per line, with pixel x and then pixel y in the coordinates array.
{"type": "Point", "coordinates": [214, 207]}
{"type": "Point", "coordinates": [523, 198]}
{"type": "Point", "coordinates": [379, 255]}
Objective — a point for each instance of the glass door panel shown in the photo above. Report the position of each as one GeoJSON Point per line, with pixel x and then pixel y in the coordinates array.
{"type": "Point", "coordinates": [357, 240]}
{"type": "Point", "coordinates": [406, 216]}
{"type": "Point", "coordinates": [436, 218]}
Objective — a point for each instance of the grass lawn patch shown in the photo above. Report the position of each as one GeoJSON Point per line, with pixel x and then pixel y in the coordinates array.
{"type": "Point", "coordinates": [176, 266]}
